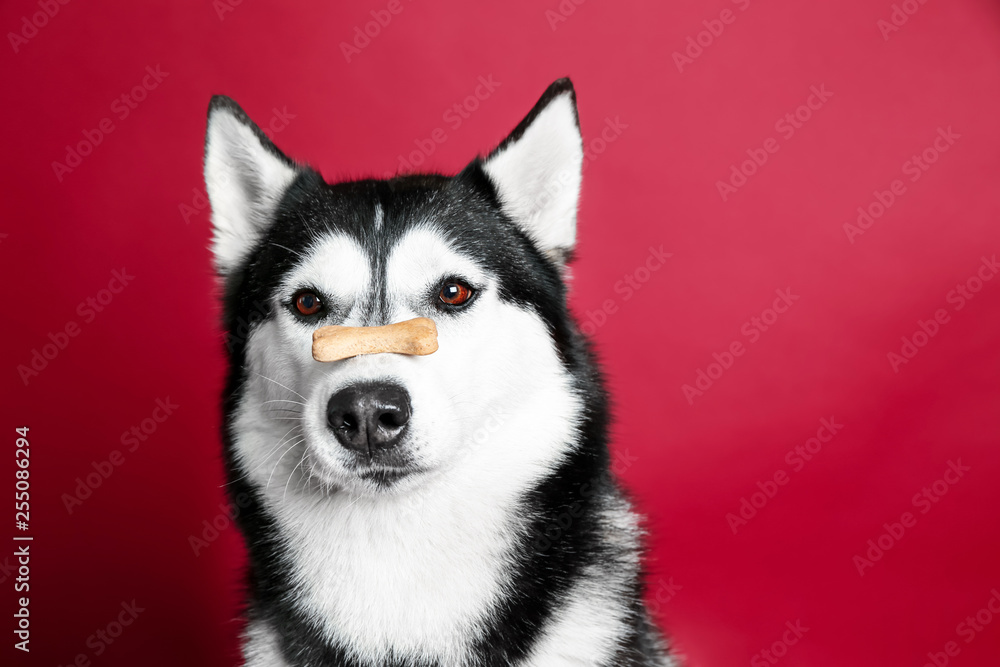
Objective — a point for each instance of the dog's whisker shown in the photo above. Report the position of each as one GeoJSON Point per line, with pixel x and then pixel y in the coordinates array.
{"type": "Point", "coordinates": [279, 409]}
{"type": "Point", "coordinates": [278, 462]}
{"type": "Point", "coordinates": [292, 474]}
{"type": "Point", "coordinates": [354, 502]}
{"type": "Point", "coordinates": [304, 478]}
{"type": "Point", "coordinates": [267, 456]}
{"type": "Point", "coordinates": [283, 400]}
{"type": "Point", "coordinates": [294, 252]}
{"type": "Point", "coordinates": [278, 383]}
{"type": "Point", "coordinates": [275, 448]}
{"type": "Point", "coordinates": [279, 416]}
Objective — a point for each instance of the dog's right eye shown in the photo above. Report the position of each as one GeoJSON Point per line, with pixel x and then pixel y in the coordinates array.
{"type": "Point", "coordinates": [455, 293]}
{"type": "Point", "coordinates": [307, 303]}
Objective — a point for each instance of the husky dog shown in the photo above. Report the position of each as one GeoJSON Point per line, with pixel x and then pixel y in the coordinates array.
{"type": "Point", "coordinates": [453, 509]}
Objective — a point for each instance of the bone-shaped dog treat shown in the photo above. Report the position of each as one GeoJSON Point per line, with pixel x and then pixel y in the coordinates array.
{"type": "Point", "coordinates": [416, 336]}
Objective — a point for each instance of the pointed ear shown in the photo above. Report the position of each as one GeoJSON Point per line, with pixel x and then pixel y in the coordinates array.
{"type": "Point", "coordinates": [245, 176]}
{"type": "Point", "coordinates": [537, 171]}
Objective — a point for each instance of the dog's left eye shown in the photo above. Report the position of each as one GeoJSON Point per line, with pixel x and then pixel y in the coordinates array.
{"type": "Point", "coordinates": [455, 293]}
{"type": "Point", "coordinates": [307, 303]}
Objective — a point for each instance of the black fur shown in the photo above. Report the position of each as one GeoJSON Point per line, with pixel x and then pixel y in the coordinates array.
{"type": "Point", "coordinates": [562, 538]}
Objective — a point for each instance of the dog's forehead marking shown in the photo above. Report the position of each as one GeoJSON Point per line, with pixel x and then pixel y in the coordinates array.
{"type": "Point", "coordinates": [337, 264]}
{"type": "Point", "coordinates": [423, 256]}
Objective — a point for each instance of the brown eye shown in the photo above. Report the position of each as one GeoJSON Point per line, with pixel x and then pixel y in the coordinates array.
{"type": "Point", "coordinates": [307, 303]}
{"type": "Point", "coordinates": [455, 293]}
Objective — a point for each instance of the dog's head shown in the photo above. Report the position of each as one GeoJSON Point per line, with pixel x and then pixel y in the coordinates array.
{"type": "Point", "coordinates": [482, 254]}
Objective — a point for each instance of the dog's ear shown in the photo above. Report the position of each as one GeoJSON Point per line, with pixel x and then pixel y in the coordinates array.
{"type": "Point", "coordinates": [537, 171]}
{"type": "Point", "coordinates": [245, 176]}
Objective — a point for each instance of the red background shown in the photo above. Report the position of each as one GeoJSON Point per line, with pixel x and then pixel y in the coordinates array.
{"type": "Point", "coordinates": [688, 465]}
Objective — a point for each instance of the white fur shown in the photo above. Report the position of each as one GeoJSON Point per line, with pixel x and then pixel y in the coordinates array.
{"type": "Point", "coordinates": [587, 624]}
{"type": "Point", "coordinates": [260, 647]}
{"type": "Point", "coordinates": [340, 268]}
{"type": "Point", "coordinates": [415, 568]}
{"type": "Point", "coordinates": [584, 630]}
{"type": "Point", "coordinates": [538, 177]}
{"type": "Point", "coordinates": [245, 182]}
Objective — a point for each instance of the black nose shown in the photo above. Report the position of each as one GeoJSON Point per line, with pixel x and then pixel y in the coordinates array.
{"type": "Point", "coordinates": [369, 417]}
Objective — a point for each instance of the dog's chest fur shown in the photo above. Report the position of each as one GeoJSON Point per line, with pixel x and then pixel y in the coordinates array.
{"type": "Point", "coordinates": [413, 575]}
{"type": "Point", "coordinates": [413, 586]}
